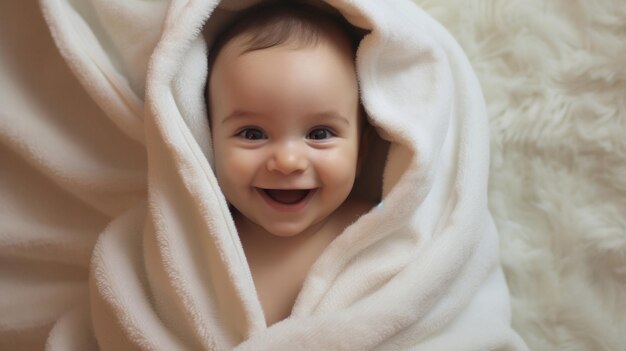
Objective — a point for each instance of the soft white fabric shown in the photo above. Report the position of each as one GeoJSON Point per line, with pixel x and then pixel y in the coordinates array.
{"type": "Point", "coordinates": [168, 272]}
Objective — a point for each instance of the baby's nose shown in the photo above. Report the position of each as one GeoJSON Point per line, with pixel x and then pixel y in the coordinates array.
{"type": "Point", "coordinates": [288, 158]}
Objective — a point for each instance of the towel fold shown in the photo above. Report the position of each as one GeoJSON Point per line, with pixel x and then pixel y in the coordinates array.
{"type": "Point", "coordinates": [168, 271]}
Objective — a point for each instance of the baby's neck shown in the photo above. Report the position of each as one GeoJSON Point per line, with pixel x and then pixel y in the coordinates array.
{"type": "Point", "coordinates": [255, 238]}
{"type": "Point", "coordinates": [279, 265]}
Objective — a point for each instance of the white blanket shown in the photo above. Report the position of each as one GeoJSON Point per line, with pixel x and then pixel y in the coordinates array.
{"type": "Point", "coordinates": [168, 272]}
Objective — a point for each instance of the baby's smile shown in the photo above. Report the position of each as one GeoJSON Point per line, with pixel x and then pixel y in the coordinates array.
{"type": "Point", "coordinates": [287, 199]}
{"type": "Point", "coordinates": [287, 196]}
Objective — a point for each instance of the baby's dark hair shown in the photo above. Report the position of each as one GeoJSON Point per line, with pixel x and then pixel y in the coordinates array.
{"type": "Point", "coordinates": [275, 23]}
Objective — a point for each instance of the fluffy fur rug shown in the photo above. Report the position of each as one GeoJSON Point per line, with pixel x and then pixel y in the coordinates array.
{"type": "Point", "coordinates": [554, 77]}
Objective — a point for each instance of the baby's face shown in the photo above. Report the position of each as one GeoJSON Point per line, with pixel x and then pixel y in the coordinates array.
{"type": "Point", "coordinates": [285, 130]}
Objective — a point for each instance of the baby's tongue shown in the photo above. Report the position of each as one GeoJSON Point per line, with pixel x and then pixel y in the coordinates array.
{"type": "Point", "coordinates": [287, 196]}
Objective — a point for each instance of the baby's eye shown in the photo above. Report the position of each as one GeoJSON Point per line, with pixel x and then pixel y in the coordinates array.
{"type": "Point", "coordinates": [320, 133]}
{"type": "Point", "coordinates": [252, 134]}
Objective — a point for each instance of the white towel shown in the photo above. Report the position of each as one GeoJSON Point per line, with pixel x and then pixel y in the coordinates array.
{"type": "Point", "coordinates": [420, 272]}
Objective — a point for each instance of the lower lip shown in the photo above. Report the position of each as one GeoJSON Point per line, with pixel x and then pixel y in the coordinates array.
{"type": "Point", "coordinates": [287, 207]}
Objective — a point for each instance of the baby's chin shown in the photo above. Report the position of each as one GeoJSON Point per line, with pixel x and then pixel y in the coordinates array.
{"type": "Point", "coordinates": [281, 229]}
{"type": "Point", "coordinates": [291, 230]}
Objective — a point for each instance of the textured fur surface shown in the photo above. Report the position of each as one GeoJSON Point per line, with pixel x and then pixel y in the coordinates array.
{"type": "Point", "coordinates": [554, 77]}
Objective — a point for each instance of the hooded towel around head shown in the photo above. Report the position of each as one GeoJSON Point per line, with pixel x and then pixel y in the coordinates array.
{"type": "Point", "coordinates": [419, 272]}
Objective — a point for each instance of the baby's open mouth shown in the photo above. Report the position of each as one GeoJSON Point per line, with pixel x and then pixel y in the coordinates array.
{"type": "Point", "coordinates": [287, 196]}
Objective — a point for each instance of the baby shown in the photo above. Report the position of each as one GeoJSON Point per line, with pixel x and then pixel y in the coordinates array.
{"type": "Point", "coordinates": [288, 136]}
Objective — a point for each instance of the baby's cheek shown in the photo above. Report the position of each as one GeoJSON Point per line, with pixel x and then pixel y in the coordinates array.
{"type": "Point", "coordinates": [242, 164]}
{"type": "Point", "coordinates": [339, 166]}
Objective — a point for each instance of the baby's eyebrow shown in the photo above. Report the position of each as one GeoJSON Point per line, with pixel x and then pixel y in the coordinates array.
{"type": "Point", "coordinates": [239, 114]}
{"type": "Point", "coordinates": [236, 114]}
{"type": "Point", "coordinates": [331, 115]}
